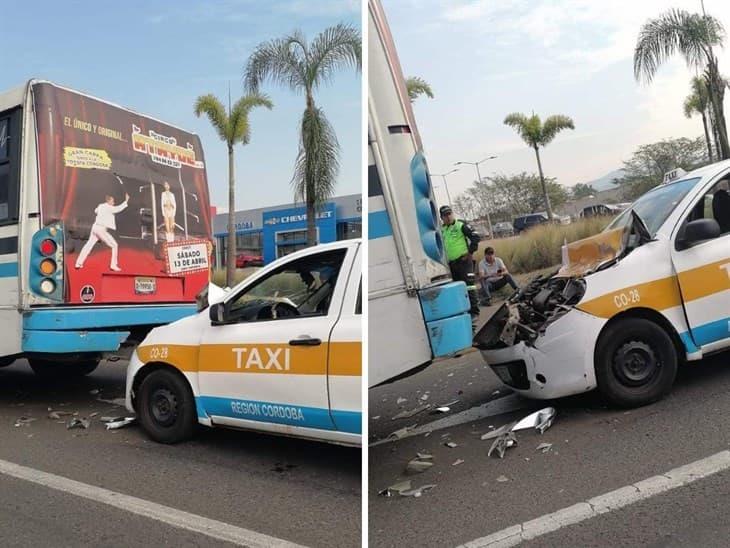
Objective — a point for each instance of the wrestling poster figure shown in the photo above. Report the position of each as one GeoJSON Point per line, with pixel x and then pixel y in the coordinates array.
{"type": "Point", "coordinates": [105, 221]}
{"type": "Point", "coordinates": [169, 208]}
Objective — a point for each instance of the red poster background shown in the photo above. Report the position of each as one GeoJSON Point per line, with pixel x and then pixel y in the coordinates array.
{"type": "Point", "coordinates": [67, 121]}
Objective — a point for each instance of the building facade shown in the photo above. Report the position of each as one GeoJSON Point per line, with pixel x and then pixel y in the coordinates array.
{"type": "Point", "coordinates": [272, 232]}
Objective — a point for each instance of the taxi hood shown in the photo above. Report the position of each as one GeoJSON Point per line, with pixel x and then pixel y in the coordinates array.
{"type": "Point", "coordinates": [582, 257]}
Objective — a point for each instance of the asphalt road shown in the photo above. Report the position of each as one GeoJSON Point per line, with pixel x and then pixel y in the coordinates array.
{"type": "Point", "coordinates": [595, 450]}
{"type": "Point", "coordinates": [303, 492]}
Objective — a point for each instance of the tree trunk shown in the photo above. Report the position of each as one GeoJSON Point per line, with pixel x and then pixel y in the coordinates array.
{"type": "Point", "coordinates": [716, 95]}
{"type": "Point", "coordinates": [548, 209]}
{"type": "Point", "coordinates": [231, 248]}
{"type": "Point", "coordinates": [707, 136]}
{"type": "Point", "coordinates": [310, 184]}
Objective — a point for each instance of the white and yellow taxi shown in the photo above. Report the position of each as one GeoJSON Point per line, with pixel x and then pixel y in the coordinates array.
{"type": "Point", "coordinates": [280, 352]}
{"type": "Point", "coordinates": [628, 304]}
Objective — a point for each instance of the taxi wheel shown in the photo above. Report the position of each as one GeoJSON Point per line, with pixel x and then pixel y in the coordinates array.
{"type": "Point", "coordinates": [166, 407]}
{"type": "Point", "coordinates": [636, 363]}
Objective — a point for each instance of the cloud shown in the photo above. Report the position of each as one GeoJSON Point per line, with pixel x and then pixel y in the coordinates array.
{"type": "Point", "coordinates": [321, 8]}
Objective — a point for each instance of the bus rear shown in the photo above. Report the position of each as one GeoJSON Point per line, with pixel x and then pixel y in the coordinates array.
{"type": "Point", "coordinates": [112, 221]}
{"type": "Point", "coordinates": [416, 312]}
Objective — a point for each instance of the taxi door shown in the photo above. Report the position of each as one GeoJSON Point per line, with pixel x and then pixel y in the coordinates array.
{"type": "Point", "coordinates": [344, 369]}
{"type": "Point", "coordinates": [703, 271]}
{"type": "Point", "coordinates": [265, 366]}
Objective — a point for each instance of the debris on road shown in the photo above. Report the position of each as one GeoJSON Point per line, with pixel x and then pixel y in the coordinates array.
{"type": "Point", "coordinates": [23, 421]}
{"type": "Point", "coordinates": [58, 415]}
{"type": "Point", "coordinates": [498, 432]}
{"type": "Point", "coordinates": [450, 444]}
{"type": "Point", "coordinates": [120, 423]}
{"type": "Point", "coordinates": [424, 397]}
{"type": "Point", "coordinates": [539, 420]}
{"type": "Point", "coordinates": [401, 432]}
{"type": "Point", "coordinates": [442, 409]}
{"type": "Point", "coordinates": [502, 479]}
{"type": "Point", "coordinates": [400, 400]}
{"type": "Point", "coordinates": [77, 423]}
{"type": "Point", "coordinates": [407, 414]}
{"type": "Point", "coordinates": [395, 489]}
{"type": "Point", "coordinates": [424, 456]}
{"type": "Point", "coordinates": [416, 466]}
{"type": "Point", "coordinates": [376, 417]}
{"type": "Point", "coordinates": [502, 443]}
{"type": "Point", "coordinates": [418, 491]}
{"type": "Point", "coordinates": [544, 447]}
{"type": "Point", "coordinates": [457, 462]}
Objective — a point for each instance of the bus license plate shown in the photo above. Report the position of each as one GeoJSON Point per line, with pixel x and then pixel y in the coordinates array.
{"type": "Point", "coordinates": [145, 286]}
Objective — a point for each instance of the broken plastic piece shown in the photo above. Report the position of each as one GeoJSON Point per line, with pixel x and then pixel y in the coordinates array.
{"type": "Point", "coordinates": [400, 400]}
{"type": "Point", "coordinates": [450, 444]}
{"type": "Point", "coordinates": [442, 409]}
{"type": "Point", "coordinates": [395, 489]}
{"type": "Point", "coordinates": [502, 479]}
{"type": "Point", "coordinates": [540, 420]}
{"type": "Point", "coordinates": [121, 423]}
{"type": "Point", "coordinates": [416, 466]}
{"type": "Point", "coordinates": [401, 432]}
{"type": "Point", "coordinates": [23, 421]}
{"type": "Point", "coordinates": [457, 462]}
{"type": "Point", "coordinates": [410, 413]}
{"type": "Point", "coordinates": [56, 415]}
{"type": "Point", "coordinates": [499, 431]}
{"type": "Point", "coordinates": [544, 447]}
{"type": "Point", "coordinates": [77, 423]}
{"type": "Point", "coordinates": [417, 492]}
{"type": "Point", "coordinates": [424, 456]}
{"type": "Point", "coordinates": [502, 443]}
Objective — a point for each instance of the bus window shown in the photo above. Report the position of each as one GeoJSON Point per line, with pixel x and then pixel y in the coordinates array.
{"type": "Point", "coordinates": [9, 168]}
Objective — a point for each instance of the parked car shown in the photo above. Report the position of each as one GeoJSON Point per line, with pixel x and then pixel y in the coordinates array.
{"type": "Point", "coordinates": [243, 260]}
{"type": "Point", "coordinates": [525, 222]}
{"type": "Point", "coordinates": [503, 229]}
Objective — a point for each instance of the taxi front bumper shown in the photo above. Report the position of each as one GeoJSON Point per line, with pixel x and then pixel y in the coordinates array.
{"type": "Point", "coordinates": [559, 363]}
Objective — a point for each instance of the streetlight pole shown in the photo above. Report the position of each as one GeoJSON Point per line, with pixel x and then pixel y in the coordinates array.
{"type": "Point", "coordinates": [479, 179]}
{"type": "Point", "coordinates": [446, 186]}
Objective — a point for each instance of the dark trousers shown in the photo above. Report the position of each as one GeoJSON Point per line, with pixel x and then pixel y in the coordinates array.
{"type": "Point", "coordinates": [495, 285]}
{"type": "Point", "coordinates": [460, 270]}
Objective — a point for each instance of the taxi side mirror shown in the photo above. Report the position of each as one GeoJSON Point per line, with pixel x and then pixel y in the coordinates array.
{"type": "Point", "coordinates": [699, 231]}
{"type": "Point", "coordinates": [217, 313]}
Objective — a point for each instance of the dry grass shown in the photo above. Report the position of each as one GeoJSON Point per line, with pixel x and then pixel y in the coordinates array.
{"type": "Point", "coordinates": [539, 248]}
{"type": "Point", "coordinates": [219, 275]}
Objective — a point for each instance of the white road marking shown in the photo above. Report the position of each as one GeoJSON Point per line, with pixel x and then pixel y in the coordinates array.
{"type": "Point", "coordinates": [492, 408]}
{"type": "Point", "coordinates": [176, 518]}
{"type": "Point", "coordinates": [608, 502]}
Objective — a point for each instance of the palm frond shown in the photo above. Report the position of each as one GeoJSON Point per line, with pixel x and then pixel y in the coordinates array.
{"type": "Point", "coordinates": [676, 31]}
{"type": "Point", "coordinates": [216, 113]}
{"type": "Point", "coordinates": [334, 48]}
{"type": "Point", "coordinates": [416, 87]}
{"type": "Point", "coordinates": [241, 129]}
{"type": "Point", "coordinates": [554, 125]}
{"type": "Point", "coordinates": [317, 165]}
{"type": "Point", "coordinates": [529, 128]}
{"type": "Point", "coordinates": [282, 61]}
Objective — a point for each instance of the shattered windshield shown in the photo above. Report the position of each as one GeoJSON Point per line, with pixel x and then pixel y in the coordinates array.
{"type": "Point", "coordinates": [655, 206]}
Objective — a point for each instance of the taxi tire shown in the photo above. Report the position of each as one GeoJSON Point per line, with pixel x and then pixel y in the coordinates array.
{"type": "Point", "coordinates": [53, 370]}
{"type": "Point", "coordinates": [186, 419]}
{"type": "Point", "coordinates": [642, 332]}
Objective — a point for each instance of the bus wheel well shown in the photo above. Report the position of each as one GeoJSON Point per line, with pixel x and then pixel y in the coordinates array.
{"type": "Point", "coordinates": [655, 317]}
{"type": "Point", "coordinates": [147, 370]}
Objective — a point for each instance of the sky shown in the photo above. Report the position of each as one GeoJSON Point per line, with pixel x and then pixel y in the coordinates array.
{"type": "Point", "coordinates": [158, 57]}
{"type": "Point", "coordinates": [487, 58]}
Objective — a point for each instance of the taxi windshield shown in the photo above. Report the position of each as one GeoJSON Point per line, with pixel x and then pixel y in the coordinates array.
{"type": "Point", "coordinates": [654, 207]}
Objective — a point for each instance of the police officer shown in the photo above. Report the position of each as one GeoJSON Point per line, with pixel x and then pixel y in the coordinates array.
{"type": "Point", "coordinates": [460, 241]}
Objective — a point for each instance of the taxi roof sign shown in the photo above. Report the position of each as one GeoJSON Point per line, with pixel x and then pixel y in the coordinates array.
{"type": "Point", "coordinates": [673, 175]}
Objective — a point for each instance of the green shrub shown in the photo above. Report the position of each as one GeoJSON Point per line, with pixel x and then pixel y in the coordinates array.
{"type": "Point", "coordinates": [539, 248]}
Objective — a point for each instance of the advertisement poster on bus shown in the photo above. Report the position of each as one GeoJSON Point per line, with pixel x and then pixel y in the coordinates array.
{"type": "Point", "coordinates": [132, 196]}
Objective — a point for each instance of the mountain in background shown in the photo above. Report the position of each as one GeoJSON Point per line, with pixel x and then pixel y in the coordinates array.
{"type": "Point", "coordinates": [606, 182]}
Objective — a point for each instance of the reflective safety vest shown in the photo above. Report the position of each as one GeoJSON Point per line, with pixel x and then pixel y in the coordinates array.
{"type": "Point", "coordinates": [454, 241]}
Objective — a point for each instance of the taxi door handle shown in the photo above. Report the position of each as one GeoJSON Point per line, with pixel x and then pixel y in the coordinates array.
{"type": "Point", "coordinates": [305, 340]}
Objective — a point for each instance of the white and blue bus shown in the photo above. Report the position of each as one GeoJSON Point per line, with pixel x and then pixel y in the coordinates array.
{"type": "Point", "coordinates": [416, 312]}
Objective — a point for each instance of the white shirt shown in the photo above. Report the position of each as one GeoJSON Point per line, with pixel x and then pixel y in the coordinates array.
{"type": "Point", "coordinates": [105, 214]}
{"type": "Point", "coordinates": [490, 270]}
{"type": "Point", "coordinates": [168, 201]}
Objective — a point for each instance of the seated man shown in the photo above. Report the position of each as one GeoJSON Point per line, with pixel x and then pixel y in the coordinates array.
{"type": "Point", "coordinates": [493, 275]}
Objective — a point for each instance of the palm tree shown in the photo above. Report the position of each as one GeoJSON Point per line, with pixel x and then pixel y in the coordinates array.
{"type": "Point", "coordinates": [698, 102]}
{"type": "Point", "coordinates": [693, 36]}
{"type": "Point", "coordinates": [302, 67]}
{"type": "Point", "coordinates": [538, 134]}
{"type": "Point", "coordinates": [233, 127]}
{"type": "Point", "coordinates": [416, 87]}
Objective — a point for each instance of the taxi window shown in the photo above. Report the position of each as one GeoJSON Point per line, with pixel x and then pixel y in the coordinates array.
{"type": "Point", "coordinates": [715, 204]}
{"type": "Point", "coordinates": [303, 287]}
